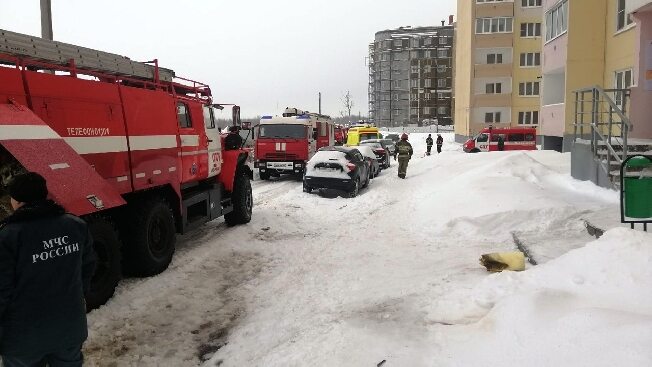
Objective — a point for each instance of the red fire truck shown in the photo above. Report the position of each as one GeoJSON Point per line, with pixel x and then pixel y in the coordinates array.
{"type": "Point", "coordinates": [285, 144]}
{"type": "Point", "coordinates": [126, 145]}
{"type": "Point", "coordinates": [513, 138]}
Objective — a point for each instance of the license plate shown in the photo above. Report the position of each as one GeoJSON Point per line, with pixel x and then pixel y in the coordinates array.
{"type": "Point", "coordinates": [326, 169]}
{"type": "Point", "coordinates": [280, 165]}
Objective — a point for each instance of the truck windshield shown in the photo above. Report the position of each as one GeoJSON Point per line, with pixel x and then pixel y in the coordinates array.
{"type": "Point", "coordinates": [282, 131]}
{"type": "Point", "coordinates": [367, 136]}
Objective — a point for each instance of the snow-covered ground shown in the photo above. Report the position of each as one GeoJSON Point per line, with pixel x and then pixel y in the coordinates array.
{"type": "Point", "coordinates": [393, 275]}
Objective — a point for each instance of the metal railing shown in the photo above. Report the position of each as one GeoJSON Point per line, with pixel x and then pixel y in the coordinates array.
{"type": "Point", "coordinates": [601, 117]}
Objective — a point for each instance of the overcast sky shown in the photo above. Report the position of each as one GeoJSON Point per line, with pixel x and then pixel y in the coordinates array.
{"type": "Point", "coordinates": [264, 54]}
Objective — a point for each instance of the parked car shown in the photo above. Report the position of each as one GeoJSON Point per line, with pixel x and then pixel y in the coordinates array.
{"type": "Point", "coordinates": [368, 152]}
{"type": "Point", "coordinates": [337, 168]}
{"type": "Point", "coordinates": [383, 149]}
{"type": "Point", "coordinates": [394, 137]}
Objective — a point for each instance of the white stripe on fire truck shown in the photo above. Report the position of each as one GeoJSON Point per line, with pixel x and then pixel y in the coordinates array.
{"type": "Point", "coordinates": [140, 175]}
{"type": "Point", "coordinates": [152, 142]}
{"type": "Point", "coordinates": [57, 166]}
{"type": "Point", "coordinates": [172, 169]}
{"type": "Point", "coordinates": [27, 132]}
{"type": "Point", "coordinates": [122, 178]}
{"type": "Point", "coordinates": [157, 172]}
{"type": "Point", "coordinates": [197, 152]}
{"type": "Point", "coordinates": [189, 140]}
{"type": "Point", "coordinates": [94, 145]}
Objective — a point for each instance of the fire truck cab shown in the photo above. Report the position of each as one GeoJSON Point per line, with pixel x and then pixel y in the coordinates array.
{"type": "Point", "coordinates": [488, 140]}
{"type": "Point", "coordinates": [284, 144]}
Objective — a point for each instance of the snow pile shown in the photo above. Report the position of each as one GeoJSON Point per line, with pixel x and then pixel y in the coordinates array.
{"type": "Point", "coordinates": [590, 307]}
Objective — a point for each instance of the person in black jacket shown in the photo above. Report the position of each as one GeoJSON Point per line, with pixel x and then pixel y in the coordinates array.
{"type": "Point", "coordinates": [440, 142]}
{"type": "Point", "coordinates": [46, 264]}
{"type": "Point", "coordinates": [429, 142]}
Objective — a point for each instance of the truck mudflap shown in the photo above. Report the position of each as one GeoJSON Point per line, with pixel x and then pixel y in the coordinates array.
{"type": "Point", "coordinates": [72, 182]}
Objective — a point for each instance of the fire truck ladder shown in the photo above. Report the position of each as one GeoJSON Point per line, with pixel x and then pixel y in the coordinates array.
{"type": "Point", "coordinates": [54, 52]}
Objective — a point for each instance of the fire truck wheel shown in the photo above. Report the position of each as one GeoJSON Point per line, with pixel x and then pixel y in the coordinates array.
{"type": "Point", "coordinates": [150, 239]}
{"type": "Point", "coordinates": [475, 150]}
{"type": "Point", "coordinates": [264, 175]}
{"type": "Point", "coordinates": [106, 244]}
{"type": "Point", "coordinates": [242, 199]}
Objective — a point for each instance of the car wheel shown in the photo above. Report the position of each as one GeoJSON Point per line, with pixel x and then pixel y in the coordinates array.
{"type": "Point", "coordinates": [353, 193]}
{"type": "Point", "coordinates": [306, 188]}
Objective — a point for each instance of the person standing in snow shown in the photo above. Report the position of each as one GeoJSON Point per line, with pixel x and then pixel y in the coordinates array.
{"type": "Point", "coordinates": [404, 152]}
{"type": "Point", "coordinates": [46, 264]}
{"type": "Point", "coordinates": [440, 142]}
{"type": "Point", "coordinates": [501, 143]}
{"type": "Point", "coordinates": [429, 143]}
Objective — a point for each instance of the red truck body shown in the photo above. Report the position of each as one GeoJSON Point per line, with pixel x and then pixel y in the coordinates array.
{"type": "Point", "coordinates": [285, 144]}
{"type": "Point", "coordinates": [517, 138]}
{"type": "Point", "coordinates": [140, 159]}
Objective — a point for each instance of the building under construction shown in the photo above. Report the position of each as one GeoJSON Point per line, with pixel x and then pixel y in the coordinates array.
{"type": "Point", "coordinates": [411, 76]}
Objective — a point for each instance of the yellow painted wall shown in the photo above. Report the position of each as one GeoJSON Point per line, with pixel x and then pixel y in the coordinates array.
{"type": "Point", "coordinates": [463, 65]}
{"type": "Point", "coordinates": [533, 74]}
{"type": "Point", "coordinates": [620, 47]}
{"type": "Point", "coordinates": [586, 50]}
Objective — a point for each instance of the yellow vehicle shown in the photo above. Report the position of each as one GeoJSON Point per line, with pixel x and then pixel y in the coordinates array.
{"type": "Point", "coordinates": [358, 133]}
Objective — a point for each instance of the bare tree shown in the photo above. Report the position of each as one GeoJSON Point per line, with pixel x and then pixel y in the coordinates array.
{"type": "Point", "coordinates": [347, 102]}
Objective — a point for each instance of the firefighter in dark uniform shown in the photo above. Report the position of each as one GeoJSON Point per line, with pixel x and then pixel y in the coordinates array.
{"type": "Point", "coordinates": [46, 264]}
{"type": "Point", "coordinates": [404, 152]}
{"type": "Point", "coordinates": [440, 142]}
{"type": "Point", "coordinates": [429, 143]}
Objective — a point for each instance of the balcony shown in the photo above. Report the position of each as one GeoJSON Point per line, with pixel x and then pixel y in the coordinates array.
{"type": "Point", "coordinates": [493, 70]}
{"type": "Point", "coordinates": [493, 100]}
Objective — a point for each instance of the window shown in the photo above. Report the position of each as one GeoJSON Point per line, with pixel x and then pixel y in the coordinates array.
{"type": "Point", "coordinates": [528, 117]}
{"type": "Point", "coordinates": [428, 83]}
{"type": "Point", "coordinates": [557, 20]}
{"type": "Point", "coordinates": [427, 54]}
{"type": "Point", "coordinates": [413, 111]}
{"type": "Point", "coordinates": [427, 69]}
{"type": "Point", "coordinates": [482, 138]}
{"type": "Point", "coordinates": [528, 89]}
{"type": "Point", "coordinates": [530, 3]}
{"type": "Point", "coordinates": [493, 25]}
{"type": "Point", "coordinates": [397, 112]}
{"type": "Point", "coordinates": [622, 80]}
{"type": "Point", "coordinates": [442, 53]}
{"type": "Point", "coordinates": [516, 137]}
{"type": "Point", "coordinates": [494, 58]}
{"type": "Point", "coordinates": [398, 43]}
{"type": "Point", "coordinates": [441, 83]}
{"type": "Point", "coordinates": [396, 97]}
{"type": "Point", "coordinates": [441, 68]}
{"type": "Point", "coordinates": [396, 83]}
{"type": "Point", "coordinates": [414, 69]}
{"type": "Point", "coordinates": [443, 41]}
{"type": "Point", "coordinates": [530, 29]}
{"type": "Point", "coordinates": [442, 110]}
{"type": "Point", "coordinates": [426, 110]}
{"type": "Point", "coordinates": [622, 19]}
{"type": "Point", "coordinates": [413, 54]}
{"type": "Point", "coordinates": [323, 129]}
{"type": "Point", "coordinates": [183, 117]}
{"type": "Point", "coordinates": [414, 83]}
{"type": "Point", "coordinates": [383, 57]}
{"type": "Point", "coordinates": [491, 117]}
{"type": "Point", "coordinates": [440, 95]}
{"type": "Point", "coordinates": [426, 96]}
{"type": "Point", "coordinates": [530, 59]}
{"type": "Point", "coordinates": [209, 118]}
{"type": "Point", "coordinates": [427, 41]}
{"type": "Point", "coordinates": [493, 88]}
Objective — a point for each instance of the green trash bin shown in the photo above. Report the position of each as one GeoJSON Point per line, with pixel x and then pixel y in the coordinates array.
{"type": "Point", "coordinates": [638, 188]}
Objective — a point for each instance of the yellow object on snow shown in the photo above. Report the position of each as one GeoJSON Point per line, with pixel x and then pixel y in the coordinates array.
{"type": "Point", "coordinates": [499, 261]}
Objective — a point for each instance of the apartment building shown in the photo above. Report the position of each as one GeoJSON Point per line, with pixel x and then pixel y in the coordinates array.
{"type": "Point", "coordinates": [411, 77]}
{"type": "Point", "coordinates": [497, 65]}
{"type": "Point", "coordinates": [587, 43]}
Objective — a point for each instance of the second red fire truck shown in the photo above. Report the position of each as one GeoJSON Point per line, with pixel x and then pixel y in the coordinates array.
{"type": "Point", "coordinates": [284, 144]}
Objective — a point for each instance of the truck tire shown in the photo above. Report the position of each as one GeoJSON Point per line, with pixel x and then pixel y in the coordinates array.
{"type": "Point", "coordinates": [242, 200]}
{"type": "Point", "coordinates": [108, 270]}
{"type": "Point", "coordinates": [475, 150]}
{"type": "Point", "coordinates": [150, 238]}
{"type": "Point", "coordinates": [263, 175]}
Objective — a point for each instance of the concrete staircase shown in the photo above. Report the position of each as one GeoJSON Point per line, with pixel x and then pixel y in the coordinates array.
{"type": "Point", "coordinates": [634, 147]}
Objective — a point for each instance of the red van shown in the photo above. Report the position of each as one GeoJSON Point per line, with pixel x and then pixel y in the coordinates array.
{"type": "Point", "coordinates": [514, 138]}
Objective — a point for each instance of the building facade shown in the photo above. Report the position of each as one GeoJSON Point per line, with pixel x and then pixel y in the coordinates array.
{"type": "Point", "coordinates": [411, 77]}
{"type": "Point", "coordinates": [587, 43]}
{"type": "Point", "coordinates": [498, 64]}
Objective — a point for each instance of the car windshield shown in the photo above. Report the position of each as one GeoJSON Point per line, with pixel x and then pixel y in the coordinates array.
{"type": "Point", "coordinates": [282, 131]}
{"type": "Point", "coordinates": [374, 144]}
